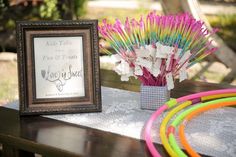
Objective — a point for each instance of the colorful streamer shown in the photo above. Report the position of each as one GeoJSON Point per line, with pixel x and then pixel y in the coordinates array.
{"type": "Point", "coordinates": [156, 49]}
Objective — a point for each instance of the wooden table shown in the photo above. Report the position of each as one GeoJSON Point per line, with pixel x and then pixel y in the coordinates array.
{"type": "Point", "coordinates": [28, 135]}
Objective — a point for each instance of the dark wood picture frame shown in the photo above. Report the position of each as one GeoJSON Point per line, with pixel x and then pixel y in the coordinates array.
{"type": "Point", "coordinates": [58, 67]}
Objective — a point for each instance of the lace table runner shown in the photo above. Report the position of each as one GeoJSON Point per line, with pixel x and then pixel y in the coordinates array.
{"type": "Point", "coordinates": [212, 133]}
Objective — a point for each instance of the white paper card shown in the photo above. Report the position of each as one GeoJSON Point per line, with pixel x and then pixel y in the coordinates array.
{"type": "Point", "coordinates": [169, 81]}
{"type": "Point", "coordinates": [144, 62]}
{"type": "Point", "coordinates": [182, 75]}
{"type": "Point", "coordinates": [124, 78]}
{"type": "Point", "coordinates": [59, 69]}
{"type": "Point", "coordinates": [142, 52]}
{"type": "Point", "coordinates": [162, 51]}
{"type": "Point", "coordinates": [160, 54]}
{"type": "Point", "coordinates": [168, 61]}
{"type": "Point", "coordinates": [138, 70]}
{"type": "Point", "coordinates": [122, 68]}
{"type": "Point", "coordinates": [116, 58]}
{"type": "Point", "coordinates": [156, 67]}
{"type": "Point", "coordinates": [151, 50]}
{"type": "Point", "coordinates": [183, 72]}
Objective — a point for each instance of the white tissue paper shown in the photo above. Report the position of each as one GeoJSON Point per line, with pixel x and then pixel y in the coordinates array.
{"type": "Point", "coordinates": [116, 58]}
{"type": "Point", "coordinates": [151, 50]}
{"type": "Point", "coordinates": [142, 52]}
{"type": "Point", "coordinates": [123, 68]}
{"type": "Point", "coordinates": [144, 63]}
{"type": "Point", "coordinates": [138, 70]}
{"type": "Point", "coordinates": [166, 49]}
{"type": "Point", "coordinates": [126, 77]}
{"type": "Point", "coordinates": [163, 51]}
{"type": "Point", "coordinates": [168, 61]}
{"type": "Point", "coordinates": [156, 67]}
{"type": "Point", "coordinates": [169, 81]}
{"type": "Point", "coordinates": [151, 58]}
{"type": "Point", "coordinates": [182, 75]}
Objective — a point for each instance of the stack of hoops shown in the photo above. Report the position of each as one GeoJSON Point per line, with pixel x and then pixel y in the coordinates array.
{"type": "Point", "coordinates": [191, 106]}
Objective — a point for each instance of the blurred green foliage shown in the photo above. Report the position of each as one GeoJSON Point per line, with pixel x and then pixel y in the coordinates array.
{"type": "Point", "coordinates": [49, 10]}
{"type": "Point", "coordinates": [78, 9]}
{"type": "Point", "coordinates": [44, 10]}
{"type": "Point", "coordinates": [227, 28]}
{"type": "Point", "coordinates": [41, 10]}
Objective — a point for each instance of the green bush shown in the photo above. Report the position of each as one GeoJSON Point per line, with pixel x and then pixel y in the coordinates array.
{"type": "Point", "coordinates": [227, 28]}
{"type": "Point", "coordinates": [49, 10]}
{"type": "Point", "coordinates": [25, 10]}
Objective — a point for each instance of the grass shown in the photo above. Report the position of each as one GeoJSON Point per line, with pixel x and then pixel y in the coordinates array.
{"type": "Point", "coordinates": [8, 82]}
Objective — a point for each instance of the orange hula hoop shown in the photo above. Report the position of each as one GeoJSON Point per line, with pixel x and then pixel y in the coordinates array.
{"type": "Point", "coordinates": [183, 140]}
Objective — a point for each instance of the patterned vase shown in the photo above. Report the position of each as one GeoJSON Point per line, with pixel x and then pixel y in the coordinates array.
{"type": "Point", "coordinates": [153, 97]}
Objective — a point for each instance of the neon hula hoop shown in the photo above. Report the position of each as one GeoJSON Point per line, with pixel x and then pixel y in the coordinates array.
{"type": "Point", "coordinates": [183, 140]}
{"type": "Point", "coordinates": [164, 137]}
{"type": "Point", "coordinates": [180, 117]}
{"type": "Point", "coordinates": [164, 123]}
{"type": "Point", "coordinates": [170, 104]}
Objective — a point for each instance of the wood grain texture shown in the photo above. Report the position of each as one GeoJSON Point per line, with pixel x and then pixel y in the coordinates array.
{"type": "Point", "coordinates": [9, 151]}
{"type": "Point", "coordinates": [54, 138]}
{"type": "Point", "coordinates": [60, 139]}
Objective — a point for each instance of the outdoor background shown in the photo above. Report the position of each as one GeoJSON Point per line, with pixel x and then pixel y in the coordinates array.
{"type": "Point", "coordinates": [219, 13]}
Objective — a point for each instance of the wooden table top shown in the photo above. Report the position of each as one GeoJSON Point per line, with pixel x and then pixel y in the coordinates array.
{"type": "Point", "coordinates": [55, 138]}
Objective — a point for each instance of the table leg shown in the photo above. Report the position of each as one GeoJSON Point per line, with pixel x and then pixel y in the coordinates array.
{"type": "Point", "coordinates": [9, 151]}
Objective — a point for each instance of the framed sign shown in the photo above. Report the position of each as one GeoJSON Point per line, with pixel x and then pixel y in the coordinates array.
{"type": "Point", "coordinates": [58, 66]}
